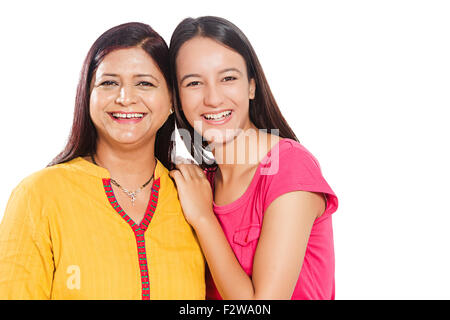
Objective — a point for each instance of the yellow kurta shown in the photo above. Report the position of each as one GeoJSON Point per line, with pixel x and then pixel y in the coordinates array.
{"type": "Point", "coordinates": [62, 238]}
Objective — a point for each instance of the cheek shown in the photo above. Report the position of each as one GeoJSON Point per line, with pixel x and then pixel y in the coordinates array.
{"type": "Point", "coordinates": [238, 95]}
{"type": "Point", "coordinates": [99, 100]}
{"type": "Point", "coordinates": [189, 101]}
{"type": "Point", "coordinates": [158, 105]}
{"type": "Point", "coordinates": [94, 105]}
{"type": "Point", "coordinates": [93, 100]}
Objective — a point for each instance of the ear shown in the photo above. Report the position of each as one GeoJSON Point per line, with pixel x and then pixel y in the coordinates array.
{"type": "Point", "coordinates": [251, 89]}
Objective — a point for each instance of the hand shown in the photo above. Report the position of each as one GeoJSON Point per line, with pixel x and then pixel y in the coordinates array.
{"type": "Point", "coordinates": [194, 192]}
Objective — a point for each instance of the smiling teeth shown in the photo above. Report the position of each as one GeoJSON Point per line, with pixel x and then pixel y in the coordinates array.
{"type": "Point", "coordinates": [127, 115]}
{"type": "Point", "coordinates": [217, 116]}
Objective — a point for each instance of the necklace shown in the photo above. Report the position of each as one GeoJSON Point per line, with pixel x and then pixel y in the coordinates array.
{"type": "Point", "coordinates": [131, 194]}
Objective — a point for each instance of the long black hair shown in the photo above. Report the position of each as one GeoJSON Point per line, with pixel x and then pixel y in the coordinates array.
{"type": "Point", "coordinates": [263, 110]}
{"type": "Point", "coordinates": [83, 135]}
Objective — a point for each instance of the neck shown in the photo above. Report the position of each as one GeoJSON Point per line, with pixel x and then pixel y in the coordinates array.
{"type": "Point", "coordinates": [127, 165]}
{"type": "Point", "coordinates": [243, 153]}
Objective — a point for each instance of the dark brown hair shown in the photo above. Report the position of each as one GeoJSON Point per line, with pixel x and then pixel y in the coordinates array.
{"type": "Point", "coordinates": [83, 135]}
{"type": "Point", "coordinates": [263, 109]}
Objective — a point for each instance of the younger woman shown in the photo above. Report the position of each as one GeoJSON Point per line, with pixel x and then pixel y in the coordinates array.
{"type": "Point", "coordinates": [265, 229]}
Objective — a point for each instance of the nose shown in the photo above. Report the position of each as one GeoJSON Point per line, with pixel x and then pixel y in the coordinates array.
{"type": "Point", "coordinates": [126, 96]}
{"type": "Point", "coordinates": [213, 96]}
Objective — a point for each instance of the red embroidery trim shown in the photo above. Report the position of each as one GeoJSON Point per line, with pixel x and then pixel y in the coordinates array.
{"type": "Point", "coordinates": [139, 230]}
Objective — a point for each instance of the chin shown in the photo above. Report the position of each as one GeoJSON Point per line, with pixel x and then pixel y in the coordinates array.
{"type": "Point", "coordinates": [221, 137]}
{"type": "Point", "coordinates": [130, 139]}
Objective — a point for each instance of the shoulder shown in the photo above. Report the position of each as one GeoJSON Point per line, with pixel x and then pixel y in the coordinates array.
{"type": "Point", "coordinates": [291, 149]}
{"type": "Point", "coordinates": [41, 179]}
{"type": "Point", "coordinates": [49, 182]}
{"type": "Point", "coordinates": [49, 177]}
{"type": "Point", "coordinates": [288, 167]}
{"type": "Point", "coordinates": [289, 159]}
{"type": "Point", "coordinates": [29, 198]}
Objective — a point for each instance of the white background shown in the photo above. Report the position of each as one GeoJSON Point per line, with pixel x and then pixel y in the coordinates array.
{"type": "Point", "coordinates": [364, 84]}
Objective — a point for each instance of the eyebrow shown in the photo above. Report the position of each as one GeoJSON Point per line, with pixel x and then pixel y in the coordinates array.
{"type": "Point", "coordinates": [135, 76]}
{"type": "Point", "coordinates": [198, 75]}
{"type": "Point", "coordinates": [231, 69]}
{"type": "Point", "coordinates": [194, 75]}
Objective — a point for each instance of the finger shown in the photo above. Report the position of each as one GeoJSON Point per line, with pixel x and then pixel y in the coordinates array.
{"type": "Point", "coordinates": [198, 171]}
{"type": "Point", "coordinates": [184, 170]}
{"type": "Point", "coordinates": [194, 171]}
{"type": "Point", "coordinates": [177, 176]}
{"type": "Point", "coordinates": [182, 160]}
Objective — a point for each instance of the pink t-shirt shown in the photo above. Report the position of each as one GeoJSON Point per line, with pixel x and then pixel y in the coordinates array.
{"type": "Point", "coordinates": [287, 167]}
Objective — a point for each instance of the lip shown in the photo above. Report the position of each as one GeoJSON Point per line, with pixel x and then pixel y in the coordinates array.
{"type": "Point", "coordinates": [126, 120]}
{"type": "Point", "coordinates": [217, 122]}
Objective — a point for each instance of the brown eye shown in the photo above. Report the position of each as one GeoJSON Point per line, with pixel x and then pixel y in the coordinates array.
{"type": "Point", "coordinates": [229, 78]}
{"type": "Point", "coordinates": [193, 84]}
{"type": "Point", "coordinates": [146, 84]}
{"type": "Point", "coordinates": [108, 83]}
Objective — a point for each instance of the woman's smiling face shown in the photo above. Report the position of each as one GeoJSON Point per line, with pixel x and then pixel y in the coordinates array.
{"type": "Point", "coordinates": [214, 89]}
{"type": "Point", "coordinates": [129, 99]}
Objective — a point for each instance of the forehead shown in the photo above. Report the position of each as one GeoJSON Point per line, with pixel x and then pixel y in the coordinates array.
{"type": "Point", "coordinates": [127, 61]}
{"type": "Point", "coordinates": [202, 54]}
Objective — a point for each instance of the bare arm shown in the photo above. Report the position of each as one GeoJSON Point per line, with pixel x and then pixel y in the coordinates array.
{"type": "Point", "coordinates": [281, 247]}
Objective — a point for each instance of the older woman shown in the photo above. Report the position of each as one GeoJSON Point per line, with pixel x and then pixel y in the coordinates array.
{"type": "Point", "coordinates": [103, 220]}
